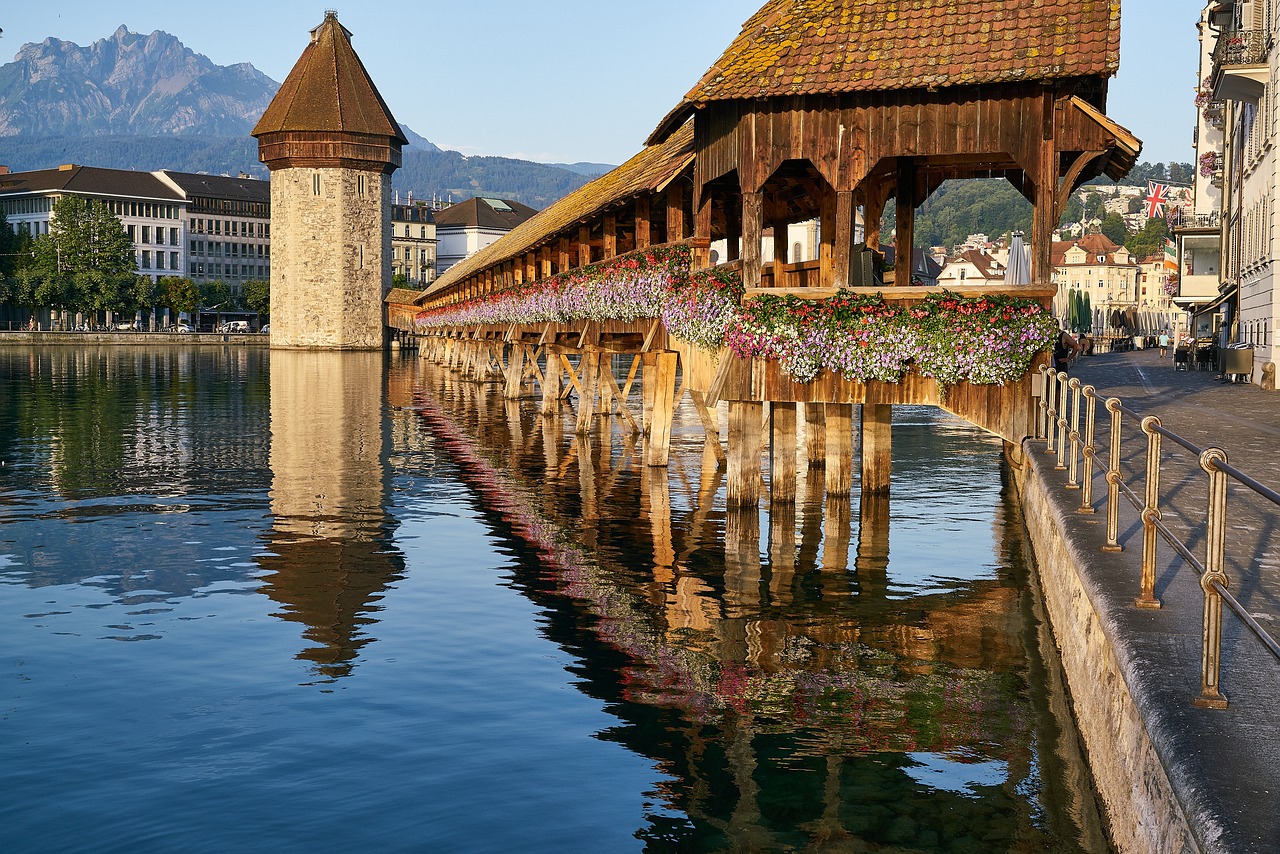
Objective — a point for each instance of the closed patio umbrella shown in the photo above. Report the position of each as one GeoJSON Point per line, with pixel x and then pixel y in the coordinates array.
{"type": "Point", "coordinates": [1018, 271]}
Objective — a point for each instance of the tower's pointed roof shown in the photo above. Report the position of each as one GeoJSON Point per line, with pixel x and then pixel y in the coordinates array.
{"type": "Point", "coordinates": [329, 90]}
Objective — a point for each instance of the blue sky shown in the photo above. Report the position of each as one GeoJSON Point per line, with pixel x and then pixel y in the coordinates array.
{"type": "Point", "coordinates": [569, 80]}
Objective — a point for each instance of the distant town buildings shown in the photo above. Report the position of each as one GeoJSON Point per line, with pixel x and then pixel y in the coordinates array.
{"type": "Point", "coordinates": [464, 229]}
{"type": "Point", "coordinates": [973, 266]}
{"type": "Point", "coordinates": [1095, 266]}
{"type": "Point", "coordinates": [413, 244]}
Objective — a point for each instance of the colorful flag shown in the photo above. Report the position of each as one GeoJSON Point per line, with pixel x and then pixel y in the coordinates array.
{"type": "Point", "coordinates": [1157, 198]}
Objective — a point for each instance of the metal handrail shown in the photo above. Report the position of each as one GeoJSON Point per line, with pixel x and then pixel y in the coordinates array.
{"type": "Point", "coordinates": [1063, 437]}
{"type": "Point", "coordinates": [1241, 47]}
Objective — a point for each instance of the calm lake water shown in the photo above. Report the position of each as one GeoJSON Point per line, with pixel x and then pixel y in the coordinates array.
{"type": "Point", "coordinates": [327, 602]}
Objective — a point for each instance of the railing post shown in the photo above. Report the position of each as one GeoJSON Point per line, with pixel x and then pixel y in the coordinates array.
{"type": "Point", "coordinates": [1051, 408]}
{"type": "Point", "coordinates": [1113, 479]}
{"type": "Point", "coordinates": [1215, 576]}
{"type": "Point", "coordinates": [1073, 473]}
{"type": "Point", "coordinates": [1150, 515]}
{"type": "Point", "coordinates": [1062, 423]}
{"type": "Point", "coordinates": [1090, 422]}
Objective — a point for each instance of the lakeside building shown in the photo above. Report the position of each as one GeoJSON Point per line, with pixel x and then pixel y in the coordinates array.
{"type": "Point", "coordinates": [1226, 248]}
{"type": "Point", "coordinates": [1098, 267]}
{"type": "Point", "coordinates": [206, 227]}
{"type": "Point", "coordinates": [152, 210]}
{"type": "Point", "coordinates": [464, 229]}
{"type": "Point", "coordinates": [228, 226]}
{"type": "Point", "coordinates": [413, 243]}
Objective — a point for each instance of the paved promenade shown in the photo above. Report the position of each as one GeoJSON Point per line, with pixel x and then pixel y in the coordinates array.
{"type": "Point", "coordinates": [1224, 765]}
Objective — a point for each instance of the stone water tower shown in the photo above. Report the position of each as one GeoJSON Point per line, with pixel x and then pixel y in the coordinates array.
{"type": "Point", "coordinates": [331, 145]}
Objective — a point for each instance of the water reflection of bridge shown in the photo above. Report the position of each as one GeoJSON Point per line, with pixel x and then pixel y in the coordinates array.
{"type": "Point", "coordinates": [736, 670]}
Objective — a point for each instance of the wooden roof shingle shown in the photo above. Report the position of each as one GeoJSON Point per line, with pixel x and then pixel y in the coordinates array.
{"type": "Point", "coordinates": [826, 47]}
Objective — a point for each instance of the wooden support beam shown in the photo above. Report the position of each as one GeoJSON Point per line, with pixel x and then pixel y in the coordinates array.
{"type": "Point", "coordinates": [573, 376]}
{"type": "Point", "coordinates": [710, 425]}
{"type": "Point", "coordinates": [844, 238]}
{"type": "Point", "coordinates": [562, 248]}
{"type": "Point", "coordinates": [745, 442]}
{"type": "Point", "coordinates": [660, 386]}
{"type": "Point", "coordinates": [610, 235]}
{"type": "Point", "coordinates": [515, 372]}
{"type": "Point", "coordinates": [644, 233]}
{"type": "Point", "coordinates": [545, 254]}
{"type": "Point", "coordinates": [906, 220]}
{"type": "Point", "coordinates": [752, 228]}
{"type": "Point", "coordinates": [781, 250]}
{"type": "Point", "coordinates": [877, 447]}
{"type": "Point", "coordinates": [839, 475]}
{"type": "Point", "coordinates": [782, 452]}
{"type": "Point", "coordinates": [589, 367]}
{"type": "Point", "coordinates": [827, 240]}
{"type": "Point", "coordinates": [675, 212]}
{"type": "Point", "coordinates": [584, 245]}
{"type": "Point", "coordinates": [815, 434]}
{"type": "Point", "coordinates": [1044, 214]}
{"type": "Point", "coordinates": [617, 394]}
{"type": "Point", "coordinates": [551, 384]}
{"type": "Point", "coordinates": [702, 231]}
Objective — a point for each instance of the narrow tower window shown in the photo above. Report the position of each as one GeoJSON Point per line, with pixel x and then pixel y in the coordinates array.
{"type": "Point", "coordinates": [315, 184]}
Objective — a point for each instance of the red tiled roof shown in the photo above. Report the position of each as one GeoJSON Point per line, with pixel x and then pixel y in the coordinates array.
{"type": "Point", "coordinates": [1093, 246]}
{"type": "Point", "coordinates": [804, 47]}
{"type": "Point", "coordinates": [329, 90]}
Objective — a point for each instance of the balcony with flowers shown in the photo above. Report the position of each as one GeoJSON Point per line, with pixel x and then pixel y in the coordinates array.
{"type": "Point", "coordinates": [859, 335]}
{"type": "Point", "coordinates": [1240, 67]}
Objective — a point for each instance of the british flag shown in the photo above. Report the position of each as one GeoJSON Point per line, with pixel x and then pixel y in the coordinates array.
{"type": "Point", "coordinates": [1157, 198]}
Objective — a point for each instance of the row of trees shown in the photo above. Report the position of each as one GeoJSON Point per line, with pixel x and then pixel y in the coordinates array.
{"type": "Point", "coordinates": [85, 264]}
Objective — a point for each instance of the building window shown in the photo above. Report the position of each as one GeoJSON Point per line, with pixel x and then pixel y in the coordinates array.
{"type": "Point", "coordinates": [315, 184]}
{"type": "Point", "coordinates": [133, 233]}
{"type": "Point", "coordinates": [146, 234]}
{"type": "Point", "coordinates": [173, 237]}
{"type": "Point", "coordinates": [173, 261]}
{"type": "Point", "coordinates": [146, 259]}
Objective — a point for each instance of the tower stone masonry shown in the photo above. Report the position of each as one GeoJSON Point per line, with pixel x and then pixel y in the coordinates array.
{"type": "Point", "coordinates": [331, 145]}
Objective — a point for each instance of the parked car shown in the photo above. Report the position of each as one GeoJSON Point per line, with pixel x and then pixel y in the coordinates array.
{"type": "Point", "coordinates": [124, 326]}
{"type": "Point", "coordinates": [182, 327]}
{"type": "Point", "coordinates": [266, 327]}
{"type": "Point", "coordinates": [234, 326]}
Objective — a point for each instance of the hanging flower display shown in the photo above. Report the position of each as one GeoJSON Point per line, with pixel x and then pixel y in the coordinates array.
{"type": "Point", "coordinates": [1210, 163]}
{"type": "Point", "coordinates": [981, 340]}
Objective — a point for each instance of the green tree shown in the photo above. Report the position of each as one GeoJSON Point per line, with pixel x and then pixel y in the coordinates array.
{"type": "Point", "coordinates": [215, 295]}
{"type": "Point", "coordinates": [85, 235]}
{"type": "Point", "coordinates": [399, 280]}
{"type": "Point", "coordinates": [1074, 211]}
{"type": "Point", "coordinates": [1149, 240]}
{"type": "Point", "coordinates": [257, 296]}
{"type": "Point", "coordinates": [1136, 204]}
{"type": "Point", "coordinates": [1114, 228]}
{"type": "Point", "coordinates": [1094, 206]}
{"type": "Point", "coordinates": [178, 294]}
{"type": "Point", "coordinates": [8, 248]}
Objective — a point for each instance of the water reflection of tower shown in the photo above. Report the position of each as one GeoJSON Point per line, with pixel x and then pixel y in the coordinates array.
{"type": "Point", "coordinates": [331, 545]}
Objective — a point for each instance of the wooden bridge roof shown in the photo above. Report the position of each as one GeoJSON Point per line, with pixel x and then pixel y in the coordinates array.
{"type": "Point", "coordinates": [649, 171]}
{"type": "Point", "coordinates": [329, 90]}
{"type": "Point", "coordinates": [828, 47]}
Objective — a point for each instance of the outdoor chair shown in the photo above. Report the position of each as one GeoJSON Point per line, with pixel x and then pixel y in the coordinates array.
{"type": "Point", "coordinates": [1182, 359]}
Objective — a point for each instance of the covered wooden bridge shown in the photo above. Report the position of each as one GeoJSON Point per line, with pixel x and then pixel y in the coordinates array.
{"type": "Point", "coordinates": [818, 111]}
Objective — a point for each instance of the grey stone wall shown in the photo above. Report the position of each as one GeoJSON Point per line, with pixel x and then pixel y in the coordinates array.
{"type": "Point", "coordinates": [1144, 812]}
{"type": "Point", "coordinates": [331, 258]}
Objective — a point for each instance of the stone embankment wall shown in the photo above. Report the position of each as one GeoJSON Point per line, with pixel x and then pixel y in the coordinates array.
{"type": "Point", "coordinates": [1143, 809]}
{"type": "Point", "coordinates": [81, 339]}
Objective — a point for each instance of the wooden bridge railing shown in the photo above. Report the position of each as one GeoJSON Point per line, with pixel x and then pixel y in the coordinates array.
{"type": "Point", "coordinates": [1068, 426]}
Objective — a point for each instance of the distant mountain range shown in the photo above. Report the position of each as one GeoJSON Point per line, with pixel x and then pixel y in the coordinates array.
{"type": "Point", "coordinates": [149, 102]}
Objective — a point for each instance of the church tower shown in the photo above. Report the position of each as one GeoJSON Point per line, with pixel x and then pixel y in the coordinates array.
{"type": "Point", "coordinates": [331, 145]}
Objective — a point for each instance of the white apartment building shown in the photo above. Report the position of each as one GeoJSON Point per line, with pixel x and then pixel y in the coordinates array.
{"type": "Point", "coordinates": [1236, 188]}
